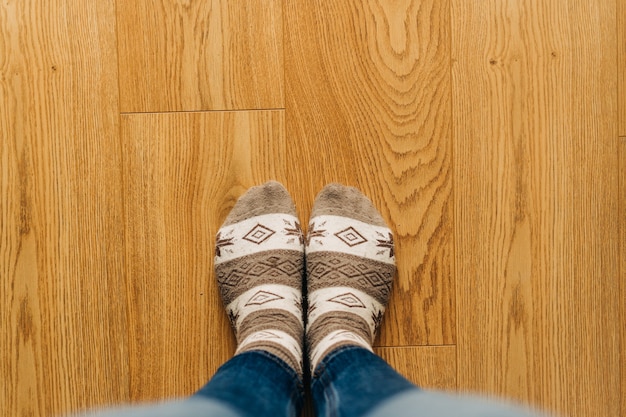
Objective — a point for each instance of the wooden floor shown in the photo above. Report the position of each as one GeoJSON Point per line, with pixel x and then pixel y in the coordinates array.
{"type": "Point", "coordinates": [491, 135]}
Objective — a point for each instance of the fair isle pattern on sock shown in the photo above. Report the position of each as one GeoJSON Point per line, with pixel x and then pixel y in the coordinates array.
{"type": "Point", "coordinates": [350, 269]}
{"type": "Point", "coordinates": [259, 262]}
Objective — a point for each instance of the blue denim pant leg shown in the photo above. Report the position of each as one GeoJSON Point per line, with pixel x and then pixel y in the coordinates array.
{"type": "Point", "coordinates": [351, 381]}
{"type": "Point", "coordinates": [256, 383]}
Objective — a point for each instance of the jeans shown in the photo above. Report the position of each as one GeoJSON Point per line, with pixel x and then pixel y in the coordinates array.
{"type": "Point", "coordinates": [349, 382]}
{"type": "Point", "coordinates": [256, 383]}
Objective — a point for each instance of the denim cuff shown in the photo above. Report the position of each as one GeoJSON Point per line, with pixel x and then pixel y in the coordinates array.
{"type": "Point", "coordinates": [257, 383]}
{"type": "Point", "coordinates": [351, 380]}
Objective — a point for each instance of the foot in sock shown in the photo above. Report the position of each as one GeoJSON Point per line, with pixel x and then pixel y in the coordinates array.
{"type": "Point", "coordinates": [350, 267]}
{"type": "Point", "coordinates": [259, 260]}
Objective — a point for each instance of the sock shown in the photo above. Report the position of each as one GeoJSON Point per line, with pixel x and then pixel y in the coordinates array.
{"type": "Point", "coordinates": [350, 266]}
{"type": "Point", "coordinates": [259, 261]}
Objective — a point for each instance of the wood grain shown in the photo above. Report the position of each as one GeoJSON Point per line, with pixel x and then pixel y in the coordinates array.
{"type": "Point", "coordinates": [368, 104]}
{"type": "Point", "coordinates": [432, 367]}
{"type": "Point", "coordinates": [183, 173]}
{"type": "Point", "coordinates": [486, 132]}
{"type": "Point", "coordinates": [621, 65]}
{"type": "Point", "coordinates": [622, 279]}
{"type": "Point", "coordinates": [536, 202]}
{"type": "Point", "coordinates": [62, 322]}
{"type": "Point", "coordinates": [200, 55]}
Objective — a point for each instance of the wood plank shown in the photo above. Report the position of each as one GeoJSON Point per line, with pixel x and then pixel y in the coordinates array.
{"type": "Point", "coordinates": [62, 290]}
{"type": "Point", "coordinates": [536, 202]}
{"type": "Point", "coordinates": [200, 55]}
{"type": "Point", "coordinates": [368, 104]}
{"type": "Point", "coordinates": [183, 174]}
{"type": "Point", "coordinates": [621, 64]}
{"type": "Point", "coordinates": [622, 281]}
{"type": "Point", "coordinates": [432, 367]}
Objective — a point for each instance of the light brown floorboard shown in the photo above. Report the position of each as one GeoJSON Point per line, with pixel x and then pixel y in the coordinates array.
{"type": "Point", "coordinates": [183, 173]}
{"type": "Point", "coordinates": [62, 291]}
{"type": "Point", "coordinates": [622, 279]}
{"type": "Point", "coordinates": [536, 202]}
{"type": "Point", "coordinates": [621, 64]}
{"type": "Point", "coordinates": [200, 55]}
{"type": "Point", "coordinates": [368, 104]}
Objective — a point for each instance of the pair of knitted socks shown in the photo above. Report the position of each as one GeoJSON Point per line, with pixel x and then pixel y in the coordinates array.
{"type": "Point", "coordinates": [259, 262]}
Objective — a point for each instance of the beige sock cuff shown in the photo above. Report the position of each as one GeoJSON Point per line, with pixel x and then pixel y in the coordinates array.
{"type": "Point", "coordinates": [332, 341]}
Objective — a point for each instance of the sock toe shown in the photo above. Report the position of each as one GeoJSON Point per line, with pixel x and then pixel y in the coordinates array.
{"type": "Point", "coordinates": [271, 197]}
{"type": "Point", "coordinates": [340, 200]}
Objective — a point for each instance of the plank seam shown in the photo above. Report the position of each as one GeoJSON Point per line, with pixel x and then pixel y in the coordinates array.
{"type": "Point", "coordinates": [413, 346]}
{"type": "Point", "coordinates": [126, 113]}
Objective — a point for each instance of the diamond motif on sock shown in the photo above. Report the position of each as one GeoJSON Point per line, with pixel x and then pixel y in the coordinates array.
{"type": "Point", "coordinates": [320, 269]}
{"type": "Point", "coordinates": [351, 237]}
{"type": "Point", "coordinates": [348, 299]}
{"type": "Point", "coordinates": [261, 297]}
{"type": "Point", "coordinates": [259, 234]}
{"type": "Point", "coordinates": [375, 279]}
{"type": "Point", "coordinates": [231, 281]}
{"type": "Point", "coordinates": [258, 269]}
{"type": "Point", "coordinates": [288, 267]}
{"type": "Point", "coordinates": [347, 269]}
{"type": "Point", "coordinates": [234, 279]}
